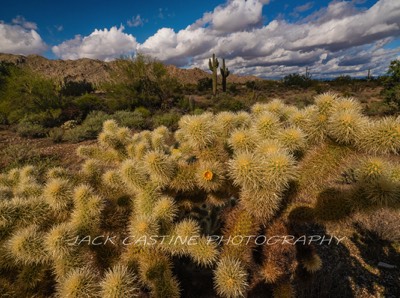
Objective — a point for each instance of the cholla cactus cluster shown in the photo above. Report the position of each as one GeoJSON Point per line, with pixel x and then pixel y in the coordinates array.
{"type": "Point", "coordinates": [242, 170]}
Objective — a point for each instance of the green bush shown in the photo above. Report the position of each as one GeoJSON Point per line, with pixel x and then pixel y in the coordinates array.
{"type": "Point", "coordinates": [77, 134]}
{"type": "Point", "coordinates": [89, 129]}
{"type": "Point", "coordinates": [89, 102]}
{"type": "Point", "coordinates": [31, 130]}
{"type": "Point", "coordinates": [130, 119]}
{"type": "Point", "coordinates": [227, 103]}
{"type": "Point", "coordinates": [186, 103]}
{"type": "Point", "coordinates": [169, 120]}
{"type": "Point", "coordinates": [233, 88]}
{"type": "Point", "coordinates": [143, 111]}
{"type": "Point", "coordinates": [391, 90]}
{"type": "Point", "coordinates": [56, 134]}
{"type": "Point", "coordinates": [25, 92]}
{"type": "Point", "coordinates": [78, 88]}
{"type": "Point", "coordinates": [343, 80]}
{"type": "Point", "coordinates": [198, 111]}
{"type": "Point", "coordinates": [297, 80]}
{"type": "Point", "coordinates": [204, 84]}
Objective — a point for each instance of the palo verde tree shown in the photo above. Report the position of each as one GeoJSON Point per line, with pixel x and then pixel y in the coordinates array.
{"type": "Point", "coordinates": [228, 175]}
{"type": "Point", "coordinates": [392, 84]}
{"type": "Point", "coordinates": [25, 93]}
{"type": "Point", "coordinates": [143, 81]}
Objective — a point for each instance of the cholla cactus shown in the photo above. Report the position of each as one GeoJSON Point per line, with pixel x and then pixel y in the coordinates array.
{"type": "Point", "coordinates": [162, 196]}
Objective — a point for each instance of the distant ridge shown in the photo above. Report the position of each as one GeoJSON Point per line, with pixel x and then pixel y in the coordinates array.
{"type": "Point", "coordinates": [96, 71]}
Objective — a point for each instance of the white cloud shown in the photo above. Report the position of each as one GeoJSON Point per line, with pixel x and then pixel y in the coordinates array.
{"type": "Point", "coordinates": [20, 20]}
{"type": "Point", "coordinates": [233, 31]}
{"type": "Point", "coordinates": [100, 44]}
{"type": "Point", "coordinates": [136, 21]}
{"type": "Point", "coordinates": [177, 48]}
{"type": "Point", "coordinates": [235, 15]}
{"type": "Point", "coordinates": [333, 32]}
{"type": "Point", "coordinates": [340, 38]}
{"type": "Point", "coordinates": [20, 39]}
{"type": "Point", "coordinates": [304, 7]}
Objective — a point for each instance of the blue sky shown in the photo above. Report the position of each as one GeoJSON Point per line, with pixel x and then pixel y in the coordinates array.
{"type": "Point", "coordinates": [267, 38]}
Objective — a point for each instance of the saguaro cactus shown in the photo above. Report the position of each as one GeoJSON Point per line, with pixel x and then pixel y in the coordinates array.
{"type": "Point", "coordinates": [224, 73]}
{"type": "Point", "coordinates": [213, 65]}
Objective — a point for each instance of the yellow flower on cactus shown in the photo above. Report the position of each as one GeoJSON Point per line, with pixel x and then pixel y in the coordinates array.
{"type": "Point", "coordinates": [208, 175]}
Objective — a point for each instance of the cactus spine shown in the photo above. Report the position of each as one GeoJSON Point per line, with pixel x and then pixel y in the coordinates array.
{"type": "Point", "coordinates": [224, 74]}
{"type": "Point", "coordinates": [213, 66]}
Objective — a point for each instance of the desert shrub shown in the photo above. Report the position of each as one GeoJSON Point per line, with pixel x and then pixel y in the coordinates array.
{"type": "Point", "coordinates": [227, 103]}
{"type": "Point", "coordinates": [391, 90]}
{"type": "Point", "coordinates": [169, 120]}
{"type": "Point", "coordinates": [95, 119]}
{"type": "Point", "coordinates": [76, 88]}
{"type": "Point", "coordinates": [69, 124]}
{"type": "Point", "coordinates": [263, 173]}
{"type": "Point", "coordinates": [251, 85]}
{"type": "Point", "coordinates": [49, 118]}
{"type": "Point", "coordinates": [130, 119]}
{"type": "Point", "coordinates": [204, 84]}
{"type": "Point", "coordinates": [343, 80]}
{"type": "Point", "coordinates": [186, 104]}
{"type": "Point", "coordinates": [145, 82]}
{"type": "Point", "coordinates": [377, 108]}
{"type": "Point", "coordinates": [89, 129]}
{"type": "Point", "coordinates": [233, 88]}
{"type": "Point", "coordinates": [198, 111]}
{"type": "Point", "coordinates": [28, 129]}
{"type": "Point", "coordinates": [119, 96]}
{"type": "Point", "coordinates": [87, 103]}
{"type": "Point", "coordinates": [143, 112]}
{"type": "Point", "coordinates": [25, 92]}
{"type": "Point", "coordinates": [297, 80]}
{"type": "Point", "coordinates": [77, 134]}
{"type": "Point", "coordinates": [56, 134]}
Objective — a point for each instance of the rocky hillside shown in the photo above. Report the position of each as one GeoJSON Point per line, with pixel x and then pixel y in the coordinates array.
{"type": "Point", "coordinates": [96, 71]}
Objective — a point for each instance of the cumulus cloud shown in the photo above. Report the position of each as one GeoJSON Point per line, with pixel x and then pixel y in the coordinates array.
{"type": "Point", "coordinates": [20, 38]}
{"type": "Point", "coordinates": [322, 41]}
{"type": "Point", "coordinates": [339, 38]}
{"type": "Point", "coordinates": [235, 15]}
{"type": "Point", "coordinates": [177, 48]}
{"type": "Point", "coordinates": [100, 44]}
